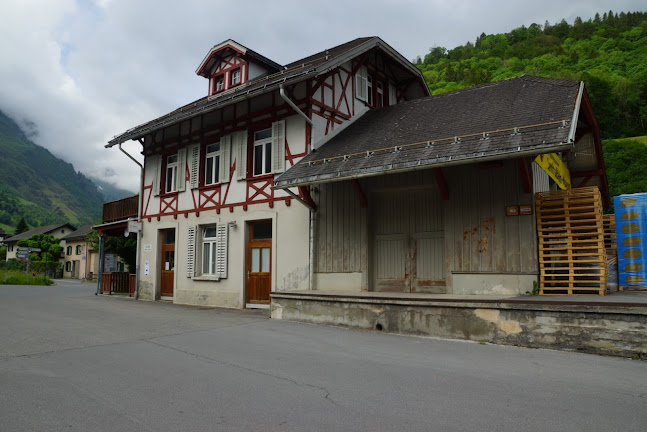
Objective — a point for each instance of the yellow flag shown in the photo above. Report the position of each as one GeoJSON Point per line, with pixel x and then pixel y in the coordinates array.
{"type": "Point", "coordinates": [553, 165]}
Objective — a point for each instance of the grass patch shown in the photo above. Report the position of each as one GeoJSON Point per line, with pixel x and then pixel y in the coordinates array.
{"type": "Point", "coordinates": [641, 139]}
{"type": "Point", "coordinates": [17, 277]}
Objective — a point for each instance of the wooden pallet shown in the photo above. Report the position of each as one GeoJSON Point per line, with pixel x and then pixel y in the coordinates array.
{"type": "Point", "coordinates": [572, 254]}
{"type": "Point", "coordinates": [609, 224]}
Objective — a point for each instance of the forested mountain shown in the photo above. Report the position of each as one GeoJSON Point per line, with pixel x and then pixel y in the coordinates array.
{"type": "Point", "coordinates": [38, 186]}
{"type": "Point", "coordinates": [608, 52]}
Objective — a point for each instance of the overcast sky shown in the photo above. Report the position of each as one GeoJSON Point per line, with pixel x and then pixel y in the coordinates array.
{"type": "Point", "coordinates": [76, 73]}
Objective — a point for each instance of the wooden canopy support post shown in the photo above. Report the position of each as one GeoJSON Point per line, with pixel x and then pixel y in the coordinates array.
{"type": "Point", "coordinates": [305, 192]}
{"type": "Point", "coordinates": [363, 202]}
{"type": "Point", "coordinates": [526, 181]}
{"type": "Point", "coordinates": [442, 184]}
{"type": "Point", "coordinates": [587, 108]}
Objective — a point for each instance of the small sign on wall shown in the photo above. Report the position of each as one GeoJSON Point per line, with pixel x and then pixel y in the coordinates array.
{"type": "Point", "coordinates": [525, 209]}
{"type": "Point", "coordinates": [148, 247]}
{"type": "Point", "coordinates": [512, 211]}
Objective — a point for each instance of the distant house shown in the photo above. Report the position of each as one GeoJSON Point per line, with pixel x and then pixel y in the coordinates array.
{"type": "Point", "coordinates": [3, 235]}
{"type": "Point", "coordinates": [81, 260]}
{"type": "Point", "coordinates": [58, 231]}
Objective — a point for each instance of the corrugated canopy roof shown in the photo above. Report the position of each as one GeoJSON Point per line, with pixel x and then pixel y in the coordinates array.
{"type": "Point", "coordinates": [503, 118]}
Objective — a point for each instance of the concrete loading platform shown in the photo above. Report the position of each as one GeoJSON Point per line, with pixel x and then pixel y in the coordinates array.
{"type": "Point", "coordinates": [615, 324]}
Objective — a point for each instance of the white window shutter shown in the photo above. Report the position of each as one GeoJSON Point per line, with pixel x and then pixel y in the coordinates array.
{"type": "Point", "coordinates": [155, 162]}
{"type": "Point", "coordinates": [278, 146]}
{"type": "Point", "coordinates": [225, 159]}
{"type": "Point", "coordinates": [393, 98]}
{"type": "Point", "coordinates": [194, 166]}
{"type": "Point", "coordinates": [361, 84]}
{"type": "Point", "coordinates": [240, 146]}
{"type": "Point", "coordinates": [180, 184]}
{"type": "Point", "coordinates": [190, 251]}
{"type": "Point", "coordinates": [222, 231]}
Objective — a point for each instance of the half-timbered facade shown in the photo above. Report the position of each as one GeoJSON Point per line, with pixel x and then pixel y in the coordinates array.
{"type": "Point", "coordinates": [214, 231]}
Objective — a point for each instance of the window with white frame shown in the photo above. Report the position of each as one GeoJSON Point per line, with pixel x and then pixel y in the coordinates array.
{"type": "Point", "coordinates": [171, 173]}
{"type": "Point", "coordinates": [380, 94]}
{"type": "Point", "coordinates": [212, 164]}
{"type": "Point", "coordinates": [369, 89]}
{"type": "Point", "coordinates": [235, 77]}
{"type": "Point", "coordinates": [263, 152]}
{"type": "Point", "coordinates": [361, 84]}
{"type": "Point", "coordinates": [207, 251]}
{"type": "Point", "coordinates": [220, 83]}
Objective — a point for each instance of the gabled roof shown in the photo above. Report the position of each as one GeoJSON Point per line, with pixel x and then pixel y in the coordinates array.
{"type": "Point", "coordinates": [47, 229]}
{"type": "Point", "coordinates": [450, 128]}
{"type": "Point", "coordinates": [79, 234]}
{"type": "Point", "coordinates": [231, 44]}
{"type": "Point", "coordinates": [294, 72]}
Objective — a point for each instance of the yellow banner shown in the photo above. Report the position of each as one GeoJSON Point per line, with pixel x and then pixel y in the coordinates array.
{"type": "Point", "coordinates": [553, 165]}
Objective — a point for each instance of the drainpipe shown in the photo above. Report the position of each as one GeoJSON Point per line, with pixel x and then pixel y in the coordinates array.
{"type": "Point", "coordinates": [293, 105]}
{"type": "Point", "coordinates": [102, 255]}
{"type": "Point", "coordinates": [312, 216]}
{"type": "Point", "coordinates": [139, 219]}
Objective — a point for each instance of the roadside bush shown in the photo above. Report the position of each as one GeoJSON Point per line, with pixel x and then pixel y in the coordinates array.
{"type": "Point", "coordinates": [16, 277]}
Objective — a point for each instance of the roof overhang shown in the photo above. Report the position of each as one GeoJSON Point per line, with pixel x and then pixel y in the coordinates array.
{"type": "Point", "coordinates": [438, 162]}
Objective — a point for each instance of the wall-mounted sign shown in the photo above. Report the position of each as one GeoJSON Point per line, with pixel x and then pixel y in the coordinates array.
{"type": "Point", "coordinates": [512, 211]}
{"type": "Point", "coordinates": [525, 209]}
{"type": "Point", "coordinates": [555, 168]}
{"type": "Point", "coordinates": [148, 247]}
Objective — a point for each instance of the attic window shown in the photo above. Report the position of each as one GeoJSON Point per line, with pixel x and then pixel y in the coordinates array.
{"type": "Point", "coordinates": [220, 83]}
{"type": "Point", "coordinates": [235, 77]}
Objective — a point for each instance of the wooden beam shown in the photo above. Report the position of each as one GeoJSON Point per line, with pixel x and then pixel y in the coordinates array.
{"type": "Point", "coordinates": [524, 172]}
{"type": "Point", "coordinates": [442, 184]}
{"type": "Point", "coordinates": [584, 182]}
{"type": "Point", "coordinates": [363, 202]}
{"type": "Point", "coordinates": [590, 173]}
{"type": "Point", "coordinates": [305, 193]}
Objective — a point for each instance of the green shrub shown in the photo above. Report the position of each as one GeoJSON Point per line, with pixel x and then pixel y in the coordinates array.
{"type": "Point", "coordinates": [17, 277]}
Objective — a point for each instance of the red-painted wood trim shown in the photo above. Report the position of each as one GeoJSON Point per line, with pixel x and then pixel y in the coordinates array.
{"type": "Point", "coordinates": [587, 107]}
{"type": "Point", "coordinates": [305, 193]}
{"type": "Point", "coordinates": [363, 202]}
{"type": "Point", "coordinates": [442, 184]}
{"type": "Point", "coordinates": [584, 181]}
{"type": "Point", "coordinates": [578, 174]}
{"type": "Point", "coordinates": [524, 172]}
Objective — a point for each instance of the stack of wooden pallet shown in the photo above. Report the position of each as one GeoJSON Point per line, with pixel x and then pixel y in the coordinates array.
{"type": "Point", "coordinates": [609, 224]}
{"type": "Point", "coordinates": [572, 256]}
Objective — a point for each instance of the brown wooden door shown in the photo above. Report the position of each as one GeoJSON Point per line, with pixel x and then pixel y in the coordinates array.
{"type": "Point", "coordinates": [168, 263]}
{"type": "Point", "coordinates": [259, 263]}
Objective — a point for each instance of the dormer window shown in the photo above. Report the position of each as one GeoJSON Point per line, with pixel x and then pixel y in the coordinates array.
{"type": "Point", "coordinates": [235, 77]}
{"type": "Point", "coordinates": [220, 83]}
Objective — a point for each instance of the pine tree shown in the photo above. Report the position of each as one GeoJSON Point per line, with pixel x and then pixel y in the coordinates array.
{"type": "Point", "coordinates": [21, 227]}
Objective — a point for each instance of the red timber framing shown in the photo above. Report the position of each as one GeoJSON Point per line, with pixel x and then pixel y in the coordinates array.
{"type": "Point", "coordinates": [304, 191]}
{"type": "Point", "coordinates": [363, 202]}
{"type": "Point", "coordinates": [524, 172]}
{"type": "Point", "coordinates": [214, 125]}
{"type": "Point", "coordinates": [442, 183]}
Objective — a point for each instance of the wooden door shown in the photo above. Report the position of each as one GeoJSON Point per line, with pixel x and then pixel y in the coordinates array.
{"type": "Point", "coordinates": [408, 241]}
{"type": "Point", "coordinates": [259, 263]}
{"type": "Point", "coordinates": [168, 262]}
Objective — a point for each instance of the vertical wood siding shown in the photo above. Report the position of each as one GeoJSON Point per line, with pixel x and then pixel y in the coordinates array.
{"type": "Point", "coordinates": [480, 237]}
{"type": "Point", "coordinates": [340, 229]}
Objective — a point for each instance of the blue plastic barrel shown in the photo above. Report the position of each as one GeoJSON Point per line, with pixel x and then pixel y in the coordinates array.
{"type": "Point", "coordinates": [631, 237]}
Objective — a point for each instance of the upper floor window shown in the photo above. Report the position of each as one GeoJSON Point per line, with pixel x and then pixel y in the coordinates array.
{"type": "Point", "coordinates": [235, 77]}
{"type": "Point", "coordinates": [369, 89]}
{"type": "Point", "coordinates": [380, 94]}
{"type": "Point", "coordinates": [263, 152]}
{"type": "Point", "coordinates": [171, 173]}
{"type": "Point", "coordinates": [212, 164]}
{"type": "Point", "coordinates": [79, 249]}
{"type": "Point", "coordinates": [69, 250]}
{"type": "Point", "coordinates": [220, 83]}
{"type": "Point", "coordinates": [361, 84]}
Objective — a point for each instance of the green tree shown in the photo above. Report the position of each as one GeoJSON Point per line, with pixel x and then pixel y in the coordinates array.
{"type": "Point", "coordinates": [21, 227]}
{"type": "Point", "coordinates": [625, 161]}
{"type": "Point", "coordinates": [50, 250]}
{"type": "Point", "coordinates": [125, 248]}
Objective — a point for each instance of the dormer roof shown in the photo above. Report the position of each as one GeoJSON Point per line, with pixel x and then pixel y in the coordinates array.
{"type": "Point", "coordinates": [218, 50]}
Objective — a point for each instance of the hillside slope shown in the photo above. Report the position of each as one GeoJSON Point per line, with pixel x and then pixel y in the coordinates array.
{"type": "Point", "coordinates": [38, 186]}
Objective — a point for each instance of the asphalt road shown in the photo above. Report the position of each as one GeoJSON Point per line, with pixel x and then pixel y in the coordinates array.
{"type": "Point", "coordinates": [73, 361]}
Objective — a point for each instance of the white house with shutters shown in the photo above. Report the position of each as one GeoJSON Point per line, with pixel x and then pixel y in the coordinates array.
{"type": "Point", "coordinates": [214, 230]}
